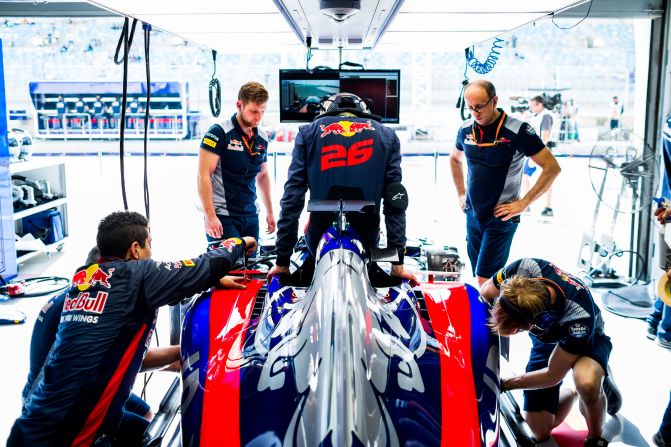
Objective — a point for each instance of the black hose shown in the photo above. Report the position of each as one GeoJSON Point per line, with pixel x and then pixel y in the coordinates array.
{"type": "Point", "coordinates": [215, 89]}
{"type": "Point", "coordinates": [461, 102]}
{"type": "Point", "coordinates": [127, 41]}
{"type": "Point", "coordinates": [59, 282]}
{"type": "Point", "coordinates": [641, 259]}
{"type": "Point", "coordinates": [147, 30]}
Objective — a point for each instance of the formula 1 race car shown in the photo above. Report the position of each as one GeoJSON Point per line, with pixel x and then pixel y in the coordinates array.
{"type": "Point", "coordinates": [346, 356]}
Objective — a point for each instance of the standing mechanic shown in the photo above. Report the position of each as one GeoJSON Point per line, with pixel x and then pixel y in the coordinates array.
{"type": "Point", "coordinates": [232, 155]}
{"type": "Point", "coordinates": [495, 145]}
{"type": "Point", "coordinates": [344, 148]}
{"type": "Point", "coordinates": [567, 332]}
{"type": "Point", "coordinates": [107, 320]}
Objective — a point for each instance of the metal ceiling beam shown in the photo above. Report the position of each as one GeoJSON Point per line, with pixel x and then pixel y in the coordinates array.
{"type": "Point", "coordinates": [616, 9]}
{"type": "Point", "coordinates": [52, 9]}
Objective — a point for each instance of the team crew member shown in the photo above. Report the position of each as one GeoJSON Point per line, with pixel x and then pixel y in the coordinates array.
{"type": "Point", "coordinates": [107, 320]}
{"type": "Point", "coordinates": [495, 145]}
{"type": "Point", "coordinates": [232, 155]}
{"type": "Point", "coordinates": [136, 413]}
{"type": "Point", "coordinates": [542, 122]}
{"type": "Point", "coordinates": [567, 332]}
{"type": "Point", "coordinates": [344, 148]}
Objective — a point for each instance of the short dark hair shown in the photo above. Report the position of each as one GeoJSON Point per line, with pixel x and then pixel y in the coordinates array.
{"type": "Point", "coordinates": [118, 231]}
{"type": "Point", "coordinates": [482, 83]}
{"type": "Point", "coordinates": [538, 99]}
{"type": "Point", "coordinates": [253, 92]}
{"type": "Point", "coordinates": [93, 256]}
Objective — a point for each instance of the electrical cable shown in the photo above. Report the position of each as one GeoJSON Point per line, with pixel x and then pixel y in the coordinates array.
{"type": "Point", "coordinates": [640, 258]}
{"type": "Point", "coordinates": [308, 56]}
{"type": "Point", "coordinates": [148, 375]}
{"type": "Point", "coordinates": [127, 41]}
{"type": "Point", "coordinates": [147, 31]}
{"type": "Point", "coordinates": [489, 63]}
{"type": "Point", "coordinates": [589, 9]}
{"type": "Point", "coordinates": [461, 103]}
{"type": "Point", "coordinates": [22, 288]}
{"type": "Point", "coordinates": [215, 89]}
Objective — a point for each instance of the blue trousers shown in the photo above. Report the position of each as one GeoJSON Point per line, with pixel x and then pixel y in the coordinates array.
{"type": "Point", "coordinates": [488, 242]}
{"type": "Point", "coordinates": [665, 428]}
{"type": "Point", "coordinates": [236, 227]}
{"type": "Point", "coordinates": [660, 318]}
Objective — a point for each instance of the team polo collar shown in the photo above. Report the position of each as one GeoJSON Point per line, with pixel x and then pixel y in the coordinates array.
{"type": "Point", "coordinates": [238, 128]}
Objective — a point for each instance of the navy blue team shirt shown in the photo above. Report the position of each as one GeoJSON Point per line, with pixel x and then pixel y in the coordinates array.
{"type": "Point", "coordinates": [343, 150]}
{"type": "Point", "coordinates": [105, 327]}
{"type": "Point", "coordinates": [495, 171]}
{"type": "Point", "coordinates": [240, 160]}
{"type": "Point", "coordinates": [579, 319]}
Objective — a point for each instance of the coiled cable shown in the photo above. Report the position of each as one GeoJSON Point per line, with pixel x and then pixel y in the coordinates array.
{"type": "Point", "coordinates": [489, 63]}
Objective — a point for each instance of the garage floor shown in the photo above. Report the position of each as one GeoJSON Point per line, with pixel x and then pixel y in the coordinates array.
{"type": "Point", "coordinates": [639, 365]}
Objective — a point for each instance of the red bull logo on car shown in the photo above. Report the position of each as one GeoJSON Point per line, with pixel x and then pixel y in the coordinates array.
{"type": "Point", "coordinates": [345, 128]}
{"type": "Point", "coordinates": [91, 276]}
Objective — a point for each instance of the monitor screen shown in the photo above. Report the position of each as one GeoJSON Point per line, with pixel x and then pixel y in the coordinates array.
{"type": "Point", "coordinates": [301, 91]}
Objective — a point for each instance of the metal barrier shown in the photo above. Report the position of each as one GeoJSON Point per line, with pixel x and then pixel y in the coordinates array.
{"type": "Point", "coordinates": [163, 124]}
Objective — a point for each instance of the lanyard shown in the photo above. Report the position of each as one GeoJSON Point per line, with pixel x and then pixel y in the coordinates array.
{"type": "Point", "coordinates": [249, 144]}
{"type": "Point", "coordinates": [496, 135]}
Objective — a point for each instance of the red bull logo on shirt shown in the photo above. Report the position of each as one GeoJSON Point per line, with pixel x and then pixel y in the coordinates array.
{"type": "Point", "coordinates": [86, 303]}
{"type": "Point", "coordinates": [91, 276]}
{"type": "Point", "coordinates": [228, 244]}
{"type": "Point", "coordinates": [345, 128]}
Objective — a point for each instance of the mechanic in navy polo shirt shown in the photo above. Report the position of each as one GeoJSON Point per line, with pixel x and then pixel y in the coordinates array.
{"type": "Point", "coordinates": [231, 160]}
{"type": "Point", "coordinates": [495, 145]}
{"type": "Point", "coordinates": [567, 333]}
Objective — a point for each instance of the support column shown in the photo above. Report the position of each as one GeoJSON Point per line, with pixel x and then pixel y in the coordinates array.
{"type": "Point", "coordinates": [657, 106]}
{"type": "Point", "coordinates": [8, 267]}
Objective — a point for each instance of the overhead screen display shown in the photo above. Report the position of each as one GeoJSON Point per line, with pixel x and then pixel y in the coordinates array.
{"type": "Point", "coordinates": [301, 91]}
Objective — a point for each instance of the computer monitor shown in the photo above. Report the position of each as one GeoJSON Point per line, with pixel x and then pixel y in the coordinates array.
{"type": "Point", "coordinates": [378, 88]}
{"type": "Point", "coordinates": [301, 91]}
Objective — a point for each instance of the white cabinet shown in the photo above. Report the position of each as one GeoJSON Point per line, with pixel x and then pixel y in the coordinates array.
{"type": "Point", "coordinates": [43, 171]}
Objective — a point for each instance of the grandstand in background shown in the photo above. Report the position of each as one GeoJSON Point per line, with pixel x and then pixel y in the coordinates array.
{"type": "Point", "coordinates": [590, 64]}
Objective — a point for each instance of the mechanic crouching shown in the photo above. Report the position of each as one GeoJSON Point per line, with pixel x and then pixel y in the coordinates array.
{"type": "Point", "coordinates": [105, 326]}
{"type": "Point", "coordinates": [567, 333]}
{"type": "Point", "coordinates": [344, 153]}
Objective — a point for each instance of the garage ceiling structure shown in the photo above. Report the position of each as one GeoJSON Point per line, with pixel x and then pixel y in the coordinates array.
{"type": "Point", "coordinates": [283, 25]}
{"type": "Point", "coordinates": [277, 25]}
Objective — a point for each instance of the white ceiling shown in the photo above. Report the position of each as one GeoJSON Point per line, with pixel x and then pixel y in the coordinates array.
{"type": "Point", "coordinates": [258, 25]}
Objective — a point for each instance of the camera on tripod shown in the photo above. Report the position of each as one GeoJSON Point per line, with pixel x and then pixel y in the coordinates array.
{"type": "Point", "coordinates": [553, 102]}
{"type": "Point", "coordinates": [521, 106]}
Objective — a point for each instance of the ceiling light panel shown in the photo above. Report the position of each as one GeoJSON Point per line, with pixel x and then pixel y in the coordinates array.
{"type": "Point", "coordinates": [190, 7]}
{"type": "Point", "coordinates": [230, 23]}
{"type": "Point", "coordinates": [507, 6]}
{"type": "Point", "coordinates": [421, 22]}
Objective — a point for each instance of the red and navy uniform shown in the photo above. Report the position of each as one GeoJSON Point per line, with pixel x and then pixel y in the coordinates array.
{"type": "Point", "coordinates": [578, 330]}
{"type": "Point", "coordinates": [42, 340]}
{"type": "Point", "coordinates": [240, 160]}
{"type": "Point", "coordinates": [105, 326]}
{"type": "Point", "coordinates": [340, 151]}
{"type": "Point", "coordinates": [495, 157]}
